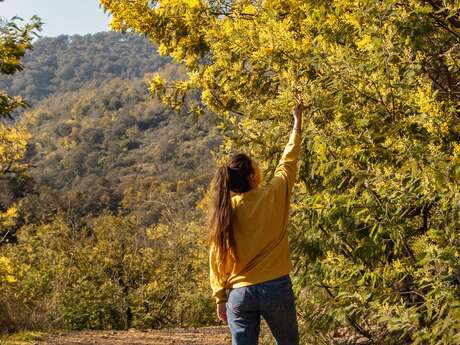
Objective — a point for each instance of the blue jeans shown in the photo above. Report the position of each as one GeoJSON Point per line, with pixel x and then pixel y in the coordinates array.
{"type": "Point", "coordinates": [272, 299]}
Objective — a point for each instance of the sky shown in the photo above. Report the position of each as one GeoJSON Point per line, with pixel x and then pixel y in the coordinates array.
{"type": "Point", "coordinates": [60, 16]}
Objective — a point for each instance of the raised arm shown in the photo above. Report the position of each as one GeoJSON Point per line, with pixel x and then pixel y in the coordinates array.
{"type": "Point", "coordinates": [286, 170]}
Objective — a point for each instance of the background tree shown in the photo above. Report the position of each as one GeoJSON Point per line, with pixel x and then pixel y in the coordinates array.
{"type": "Point", "coordinates": [15, 40]}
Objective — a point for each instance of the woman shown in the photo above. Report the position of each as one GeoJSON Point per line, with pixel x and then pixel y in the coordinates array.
{"type": "Point", "coordinates": [249, 254]}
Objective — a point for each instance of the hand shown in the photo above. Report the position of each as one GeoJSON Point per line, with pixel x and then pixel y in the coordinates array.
{"type": "Point", "coordinates": [222, 311]}
{"type": "Point", "coordinates": [297, 110]}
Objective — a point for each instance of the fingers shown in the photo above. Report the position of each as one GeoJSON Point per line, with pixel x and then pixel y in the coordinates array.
{"type": "Point", "coordinates": [298, 98]}
{"type": "Point", "coordinates": [223, 318]}
{"type": "Point", "coordinates": [222, 313]}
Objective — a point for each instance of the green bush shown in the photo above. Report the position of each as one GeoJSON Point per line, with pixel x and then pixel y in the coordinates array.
{"type": "Point", "coordinates": [113, 274]}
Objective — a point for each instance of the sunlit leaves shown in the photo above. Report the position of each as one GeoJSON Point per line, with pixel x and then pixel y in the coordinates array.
{"type": "Point", "coordinates": [6, 271]}
{"type": "Point", "coordinates": [15, 40]}
{"type": "Point", "coordinates": [379, 159]}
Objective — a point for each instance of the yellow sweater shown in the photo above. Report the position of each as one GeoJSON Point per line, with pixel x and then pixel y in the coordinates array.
{"type": "Point", "coordinates": [259, 219]}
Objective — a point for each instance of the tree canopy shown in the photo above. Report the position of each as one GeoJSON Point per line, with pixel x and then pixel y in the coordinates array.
{"type": "Point", "coordinates": [376, 214]}
{"type": "Point", "coordinates": [15, 40]}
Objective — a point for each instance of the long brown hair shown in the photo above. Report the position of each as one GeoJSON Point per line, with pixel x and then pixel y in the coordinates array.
{"type": "Point", "coordinates": [234, 177]}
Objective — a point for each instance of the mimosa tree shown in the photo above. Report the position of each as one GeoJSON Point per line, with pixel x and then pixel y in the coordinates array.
{"type": "Point", "coordinates": [14, 42]}
{"type": "Point", "coordinates": [376, 214]}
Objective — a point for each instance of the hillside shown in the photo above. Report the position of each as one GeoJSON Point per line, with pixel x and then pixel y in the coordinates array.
{"type": "Point", "coordinates": [68, 63]}
{"type": "Point", "coordinates": [99, 140]}
{"type": "Point", "coordinates": [114, 147]}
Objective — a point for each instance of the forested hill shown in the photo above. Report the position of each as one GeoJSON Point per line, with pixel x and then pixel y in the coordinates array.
{"type": "Point", "coordinates": [67, 63]}
{"type": "Point", "coordinates": [99, 140]}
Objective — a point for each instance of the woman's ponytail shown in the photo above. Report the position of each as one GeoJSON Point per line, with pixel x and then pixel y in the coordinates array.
{"type": "Point", "coordinates": [221, 234]}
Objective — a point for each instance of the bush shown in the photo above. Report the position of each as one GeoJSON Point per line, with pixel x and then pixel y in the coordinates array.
{"type": "Point", "coordinates": [107, 275]}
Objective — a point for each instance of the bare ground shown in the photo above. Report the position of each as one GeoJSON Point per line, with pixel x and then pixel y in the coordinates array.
{"type": "Point", "coordinates": [214, 335]}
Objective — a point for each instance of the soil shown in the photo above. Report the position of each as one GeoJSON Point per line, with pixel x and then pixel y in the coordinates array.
{"type": "Point", "coordinates": [214, 335]}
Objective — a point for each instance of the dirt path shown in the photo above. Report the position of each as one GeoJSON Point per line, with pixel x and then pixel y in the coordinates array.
{"type": "Point", "coordinates": [215, 335]}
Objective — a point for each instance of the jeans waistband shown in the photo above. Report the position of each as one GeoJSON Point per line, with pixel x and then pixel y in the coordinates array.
{"type": "Point", "coordinates": [285, 277]}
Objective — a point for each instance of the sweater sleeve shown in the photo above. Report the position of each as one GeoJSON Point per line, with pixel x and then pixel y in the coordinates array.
{"type": "Point", "coordinates": [219, 291]}
{"type": "Point", "coordinates": [286, 170]}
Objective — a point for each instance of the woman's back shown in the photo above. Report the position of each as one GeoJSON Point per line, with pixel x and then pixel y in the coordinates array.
{"type": "Point", "coordinates": [259, 223]}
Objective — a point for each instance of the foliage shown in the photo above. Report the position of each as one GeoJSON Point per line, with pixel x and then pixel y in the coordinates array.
{"type": "Point", "coordinates": [15, 40]}
{"type": "Point", "coordinates": [376, 213]}
{"type": "Point", "coordinates": [114, 274]}
{"type": "Point", "coordinates": [24, 337]}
